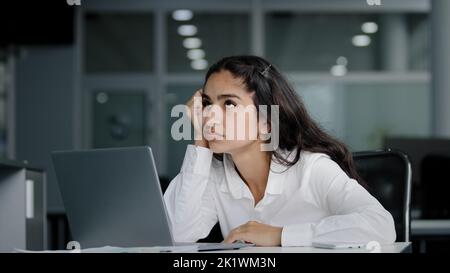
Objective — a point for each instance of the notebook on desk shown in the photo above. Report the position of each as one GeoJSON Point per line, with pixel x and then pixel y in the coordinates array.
{"type": "Point", "coordinates": [113, 197]}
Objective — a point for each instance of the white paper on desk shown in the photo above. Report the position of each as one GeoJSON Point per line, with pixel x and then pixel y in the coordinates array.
{"type": "Point", "coordinates": [154, 249]}
{"type": "Point", "coordinates": [112, 249]}
{"type": "Point", "coordinates": [17, 250]}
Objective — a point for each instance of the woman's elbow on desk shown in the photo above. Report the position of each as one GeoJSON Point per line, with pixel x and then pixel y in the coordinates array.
{"type": "Point", "coordinates": [389, 230]}
{"type": "Point", "coordinates": [383, 226]}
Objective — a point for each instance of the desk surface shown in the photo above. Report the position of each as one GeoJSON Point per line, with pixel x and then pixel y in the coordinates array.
{"type": "Point", "coordinates": [401, 247]}
{"type": "Point", "coordinates": [404, 247]}
{"type": "Point", "coordinates": [430, 227]}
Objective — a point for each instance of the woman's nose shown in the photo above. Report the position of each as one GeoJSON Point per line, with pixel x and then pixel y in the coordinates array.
{"type": "Point", "coordinates": [213, 118]}
{"type": "Point", "coordinates": [213, 114]}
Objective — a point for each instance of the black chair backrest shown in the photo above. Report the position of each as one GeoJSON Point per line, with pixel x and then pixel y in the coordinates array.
{"type": "Point", "coordinates": [388, 178]}
{"type": "Point", "coordinates": [435, 181]}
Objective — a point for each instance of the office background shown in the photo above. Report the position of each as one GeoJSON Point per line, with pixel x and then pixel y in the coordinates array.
{"type": "Point", "coordinates": [106, 74]}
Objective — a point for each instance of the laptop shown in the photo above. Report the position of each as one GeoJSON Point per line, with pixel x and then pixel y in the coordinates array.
{"type": "Point", "coordinates": [113, 197]}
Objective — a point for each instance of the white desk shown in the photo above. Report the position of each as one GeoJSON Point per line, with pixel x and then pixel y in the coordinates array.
{"type": "Point", "coordinates": [392, 248]}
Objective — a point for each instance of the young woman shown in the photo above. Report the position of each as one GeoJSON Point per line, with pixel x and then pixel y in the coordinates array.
{"type": "Point", "coordinates": [305, 191]}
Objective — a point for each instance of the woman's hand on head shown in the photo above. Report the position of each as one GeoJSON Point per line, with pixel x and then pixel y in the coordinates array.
{"type": "Point", "coordinates": [256, 233]}
{"type": "Point", "coordinates": [195, 114]}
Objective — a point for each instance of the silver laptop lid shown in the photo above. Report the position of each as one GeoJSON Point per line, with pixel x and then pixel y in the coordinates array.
{"type": "Point", "coordinates": [112, 197]}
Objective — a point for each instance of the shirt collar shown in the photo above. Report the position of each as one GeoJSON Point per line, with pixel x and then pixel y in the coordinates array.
{"type": "Point", "coordinates": [237, 187]}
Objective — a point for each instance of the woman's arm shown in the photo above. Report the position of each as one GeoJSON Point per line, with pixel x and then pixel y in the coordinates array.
{"type": "Point", "coordinates": [189, 200]}
{"type": "Point", "coordinates": [356, 215]}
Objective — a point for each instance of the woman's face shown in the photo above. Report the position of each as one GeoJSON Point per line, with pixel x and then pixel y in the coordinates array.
{"type": "Point", "coordinates": [229, 117]}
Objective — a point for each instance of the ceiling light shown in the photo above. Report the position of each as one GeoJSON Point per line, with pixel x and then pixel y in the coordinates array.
{"type": "Point", "coordinates": [182, 15]}
{"type": "Point", "coordinates": [369, 27]}
{"type": "Point", "coordinates": [195, 54]}
{"type": "Point", "coordinates": [187, 30]}
{"type": "Point", "coordinates": [338, 70]}
{"type": "Point", "coordinates": [200, 64]}
{"type": "Point", "coordinates": [102, 98]}
{"type": "Point", "coordinates": [192, 42]}
{"type": "Point", "coordinates": [361, 40]}
{"type": "Point", "coordinates": [341, 60]}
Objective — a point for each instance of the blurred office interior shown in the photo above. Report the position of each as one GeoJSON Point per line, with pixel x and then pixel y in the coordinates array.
{"type": "Point", "coordinates": [106, 73]}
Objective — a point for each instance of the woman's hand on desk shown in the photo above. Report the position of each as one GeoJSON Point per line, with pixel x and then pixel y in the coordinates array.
{"type": "Point", "coordinates": [256, 233]}
{"type": "Point", "coordinates": [195, 106]}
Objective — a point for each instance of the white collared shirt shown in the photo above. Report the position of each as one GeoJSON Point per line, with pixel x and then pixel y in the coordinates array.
{"type": "Point", "coordinates": [313, 200]}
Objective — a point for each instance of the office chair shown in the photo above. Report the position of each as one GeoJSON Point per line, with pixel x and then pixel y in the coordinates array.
{"type": "Point", "coordinates": [388, 178]}
{"type": "Point", "coordinates": [164, 182]}
{"type": "Point", "coordinates": [435, 181]}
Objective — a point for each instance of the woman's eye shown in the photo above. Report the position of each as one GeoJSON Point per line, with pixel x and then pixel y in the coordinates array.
{"type": "Point", "coordinates": [229, 104]}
